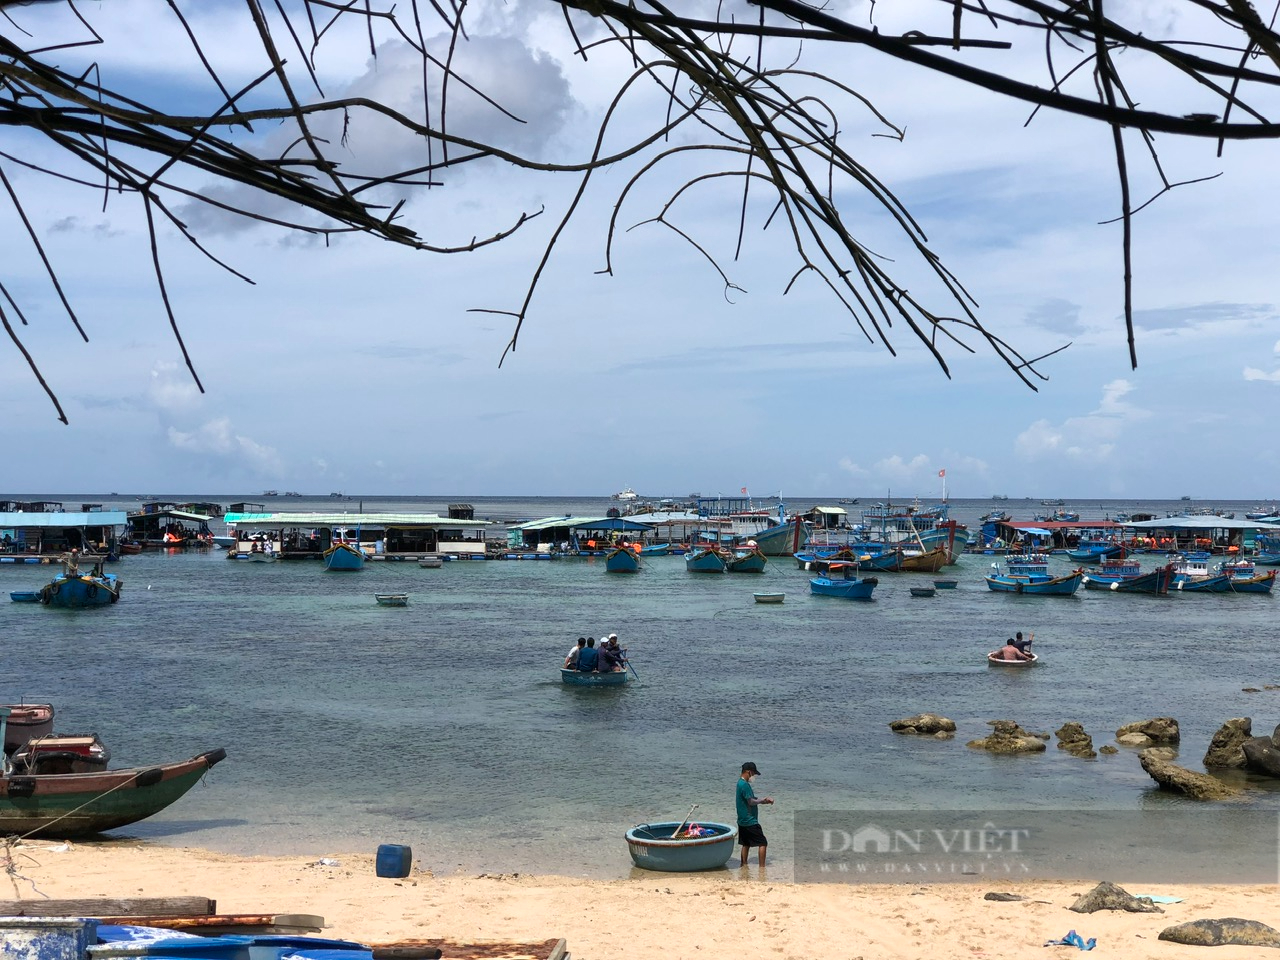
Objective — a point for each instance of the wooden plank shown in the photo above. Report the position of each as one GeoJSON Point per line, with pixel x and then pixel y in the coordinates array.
{"type": "Point", "coordinates": [216, 924]}
{"type": "Point", "coordinates": [492, 950]}
{"type": "Point", "coordinates": [117, 907]}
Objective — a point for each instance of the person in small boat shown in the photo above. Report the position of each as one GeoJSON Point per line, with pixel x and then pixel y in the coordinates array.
{"type": "Point", "coordinates": [588, 656]}
{"type": "Point", "coordinates": [1010, 652]}
{"type": "Point", "coordinates": [1023, 645]}
{"type": "Point", "coordinates": [571, 661]}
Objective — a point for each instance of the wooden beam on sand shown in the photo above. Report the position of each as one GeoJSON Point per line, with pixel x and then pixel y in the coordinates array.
{"type": "Point", "coordinates": [217, 924]}
{"type": "Point", "coordinates": [116, 907]}
{"type": "Point", "coordinates": [455, 950]}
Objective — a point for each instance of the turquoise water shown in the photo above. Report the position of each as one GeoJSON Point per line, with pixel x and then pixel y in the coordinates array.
{"type": "Point", "coordinates": [444, 725]}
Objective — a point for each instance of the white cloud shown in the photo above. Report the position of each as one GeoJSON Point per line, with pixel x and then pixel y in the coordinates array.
{"type": "Point", "coordinates": [1093, 437]}
{"type": "Point", "coordinates": [1253, 373]}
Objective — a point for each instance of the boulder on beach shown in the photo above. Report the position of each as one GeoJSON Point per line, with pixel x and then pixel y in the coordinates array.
{"type": "Point", "coordinates": [1007, 737]}
{"type": "Point", "coordinates": [1073, 739]}
{"type": "Point", "coordinates": [1170, 776]}
{"type": "Point", "coordinates": [1003, 897]}
{"type": "Point", "coordinates": [1158, 730]}
{"type": "Point", "coordinates": [1229, 931]}
{"type": "Point", "coordinates": [1108, 896]}
{"type": "Point", "coordinates": [924, 723]}
{"type": "Point", "coordinates": [1261, 755]}
{"type": "Point", "coordinates": [1225, 747]}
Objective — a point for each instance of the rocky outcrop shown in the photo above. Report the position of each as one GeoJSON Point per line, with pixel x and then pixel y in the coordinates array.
{"type": "Point", "coordinates": [1261, 755]}
{"type": "Point", "coordinates": [1225, 749]}
{"type": "Point", "coordinates": [1004, 897]}
{"type": "Point", "coordinates": [1073, 739]}
{"type": "Point", "coordinates": [1007, 737]}
{"type": "Point", "coordinates": [1108, 750]}
{"type": "Point", "coordinates": [1157, 730]}
{"type": "Point", "coordinates": [1229, 931]}
{"type": "Point", "coordinates": [1107, 896]}
{"type": "Point", "coordinates": [1170, 776]}
{"type": "Point", "coordinates": [927, 724]}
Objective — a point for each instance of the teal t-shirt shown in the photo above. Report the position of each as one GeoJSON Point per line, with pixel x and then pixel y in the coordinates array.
{"type": "Point", "coordinates": [746, 812]}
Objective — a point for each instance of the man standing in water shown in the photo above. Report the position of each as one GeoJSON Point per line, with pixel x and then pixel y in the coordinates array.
{"type": "Point", "coordinates": [749, 832]}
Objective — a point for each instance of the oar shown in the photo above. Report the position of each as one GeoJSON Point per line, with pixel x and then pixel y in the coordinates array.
{"type": "Point", "coordinates": [627, 661]}
{"type": "Point", "coordinates": [684, 821]}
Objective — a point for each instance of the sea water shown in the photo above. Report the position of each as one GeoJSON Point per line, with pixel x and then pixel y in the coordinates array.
{"type": "Point", "coordinates": [444, 726]}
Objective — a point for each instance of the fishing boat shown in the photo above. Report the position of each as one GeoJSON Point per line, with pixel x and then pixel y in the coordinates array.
{"type": "Point", "coordinates": [655, 550]}
{"type": "Point", "coordinates": [1095, 551]}
{"type": "Point", "coordinates": [75, 589]}
{"type": "Point", "coordinates": [589, 678]}
{"type": "Point", "coordinates": [61, 753]}
{"type": "Point", "coordinates": [622, 559]}
{"type": "Point", "coordinates": [842, 580]}
{"type": "Point", "coordinates": [1243, 577]}
{"type": "Point", "coordinates": [25, 720]}
{"type": "Point", "coordinates": [1193, 575]}
{"type": "Point", "coordinates": [924, 561]}
{"type": "Point", "coordinates": [704, 558]}
{"type": "Point", "coordinates": [24, 596]}
{"type": "Point", "coordinates": [60, 805]}
{"type": "Point", "coordinates": [923, 591]}
{"type": "Point", "coordinates": [626, 494]}
{"type": "Point", "coordinates": [746, 559]}
{"type": "Point", "coordinates": [769, 597]}
{"type": "Point", "coordinates": [681, 847]}
{"type": "Point", "coordinates": [392, 599]}
{"type": "Point", "coordinates": [342, 555]}
{"type": "Point", "coordinates": [995, 660]}
{"type": "Point", "coordinates": [1126, 576]}
{"type": "Point", "coordinates": [1029, 574]}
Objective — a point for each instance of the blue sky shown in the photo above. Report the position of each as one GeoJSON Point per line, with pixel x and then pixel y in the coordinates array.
{"type": "Point", "coordinates": [360, 367]}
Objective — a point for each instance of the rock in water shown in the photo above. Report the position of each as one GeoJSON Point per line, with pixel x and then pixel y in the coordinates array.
{"type": "Point", "coordinates": [1228, 931]}
{"type": "Point", "coordinates": [1225, 747]}
{"type": "Point", "coordinates": [1107, 896]}
{"type": "Point", "coordinates": [1073, 739]}
{"type": "Point", "coordinates": [1261, 756]}
{"type": "Point", "coordinates": [1159, 729]}
{"type": "Point", "coordinates": [1170, 776]}
{"type": "Point", "coordinates": [924, 723]}
{"type": "Point", "coordinates": [1008, 737]}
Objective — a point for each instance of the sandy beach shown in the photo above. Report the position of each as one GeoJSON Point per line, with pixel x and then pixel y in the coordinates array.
{"type": "Point", "coordinates": [724, 915]}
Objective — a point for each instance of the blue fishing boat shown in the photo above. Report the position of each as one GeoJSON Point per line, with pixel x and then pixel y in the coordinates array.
{"type": "Point", "coordinates": [697, 846]}
{"type": "Point", "coordinates": [1126, 576]}
{"type": "Point", "coordinates": [704, 558]}
{"type": "Point", "coordinates": [1029, 574]}
{"type": "Point", "coordinates": [1192, 575]}
{"type": "Point", "coordinates": [842, 580]}
{"type": "Point", "coordinates": [1267, 559]}
{"type": "Point", "coordinates": [344, 556]}
{"type": "Point", "coordinates": [623, 559]}
{"type": "Point", "coordinates": [1095, 551]}
{"type": "Point", "coordinates": [588, 678]}
{"type": "Point", "coordinates": [655, 550]}
{"type": "Point", "coordinates": [1243, 577]}
{"type": "Point", "coordinates": [746, 559]}
{"type": "Point", "coordinates": [24, 596]}
{"type": "Point", "coordinates": [74, 588]}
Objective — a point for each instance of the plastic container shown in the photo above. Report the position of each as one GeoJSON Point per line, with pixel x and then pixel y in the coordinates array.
{"type": "Point", "coordinates": [46, 938]}
{"type": "Point", "coordinates": [394, 860]}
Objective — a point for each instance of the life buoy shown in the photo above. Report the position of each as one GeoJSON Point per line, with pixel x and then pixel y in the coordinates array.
{"type": "Point", "coordinates": [91, 591]}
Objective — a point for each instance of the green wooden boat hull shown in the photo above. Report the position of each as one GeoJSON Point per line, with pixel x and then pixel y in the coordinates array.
{"type": "Point", "coordinates": [79, 804]}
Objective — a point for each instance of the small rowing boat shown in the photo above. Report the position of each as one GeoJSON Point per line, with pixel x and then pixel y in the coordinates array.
{"type": "Point", "coordinates": [769, 597]}
{"type": "Point", "coordinates": [392, 599]}
{"type": "Point", "coordinates": [995, 660]}
{"type": "Point", "coordinates": [655, 846]}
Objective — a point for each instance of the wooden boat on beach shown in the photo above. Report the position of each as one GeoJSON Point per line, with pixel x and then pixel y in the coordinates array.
{"type": "Point", "coordinates": [61, 753]}
{"type": "Point", "coordinates": [995, 660]}
{"type": "Point", "coordinates": [392, 599]}
{"type": "Point", "coordinates": [60, 805]}
{"type": "Point", "coordinates": [24, 721]}
{"type": "Point", "coordinates": [697, 846]}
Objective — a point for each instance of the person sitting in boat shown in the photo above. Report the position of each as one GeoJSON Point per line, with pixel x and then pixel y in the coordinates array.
{"type": "Point", "coordinates": [610, 657]}
{"type": "Point", "coordinates": [1023, 645]}
{"type": "Point", "coordinates": [588, 656]}
{"type": "Point", "coordinates": [1011, 652]}
{"type": "Point", "coordinates": [571, 661]}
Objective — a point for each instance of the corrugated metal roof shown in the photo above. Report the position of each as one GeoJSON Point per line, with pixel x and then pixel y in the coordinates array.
{"type": "Point", "coordinates": [179, 514]}
{"type": "Point", "coordinates": [829, 510]}
{"type": "Point", "coordinates": [1201, 523]}
{"type": "Point", "coordinates": [92, 518]}
{"type": "Point", "coordinates": [1061, 524]}
{"type": "Point", "coordinates": [349, 520]}
{"type": "Point", "coordinates": [582, 523]}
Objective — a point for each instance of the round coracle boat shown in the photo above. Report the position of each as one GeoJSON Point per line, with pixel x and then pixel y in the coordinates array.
{"type": "Point", "coordinates": [700, 846]}
{"type": "Point", "coordinates": [995, 660]}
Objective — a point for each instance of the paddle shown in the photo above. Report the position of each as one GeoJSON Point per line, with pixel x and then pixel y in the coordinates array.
{"type": "Point", "coordinates": [676, 833]}
{"type": "Point", "coordinates": [627, 661]}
